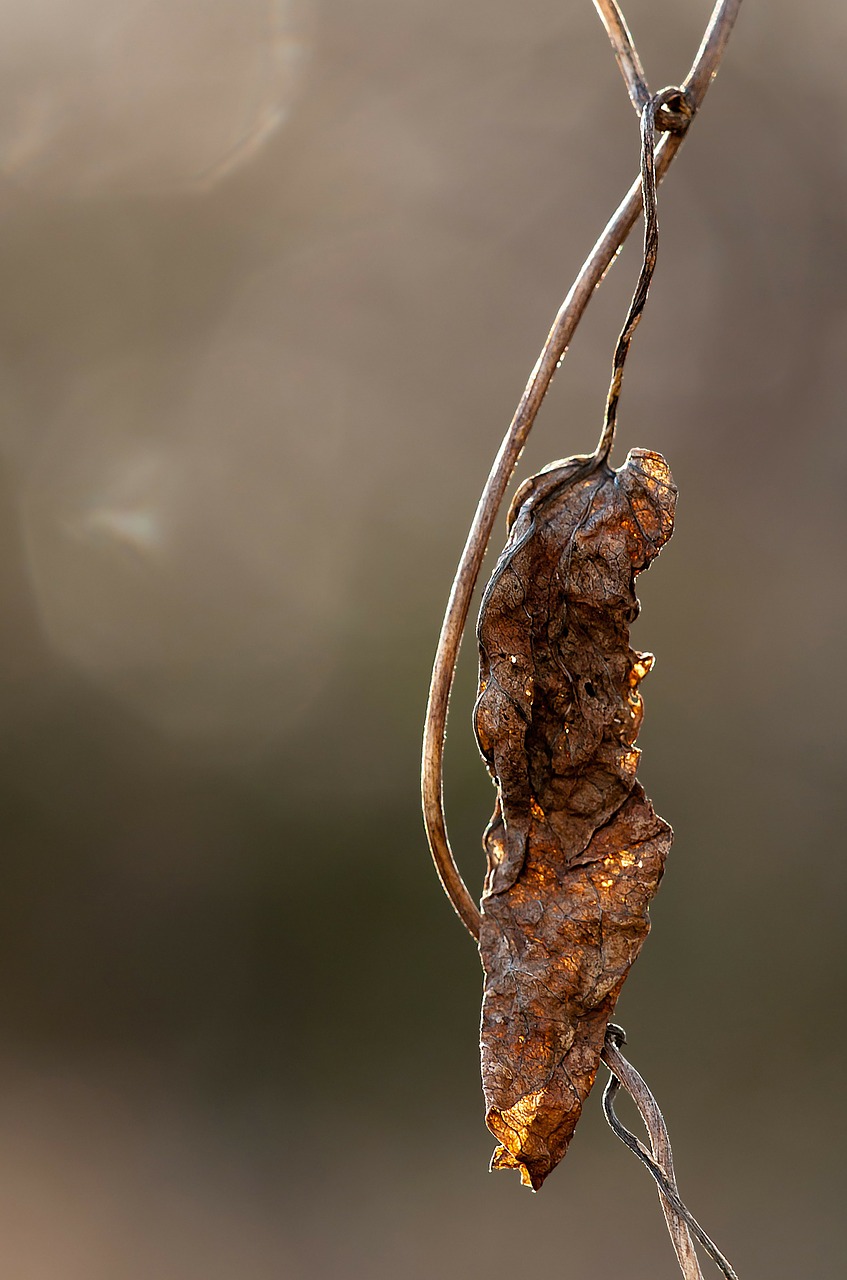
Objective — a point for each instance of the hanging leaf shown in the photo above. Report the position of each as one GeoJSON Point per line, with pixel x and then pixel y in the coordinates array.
{"type": "Point", "coordinates": [575, 850]}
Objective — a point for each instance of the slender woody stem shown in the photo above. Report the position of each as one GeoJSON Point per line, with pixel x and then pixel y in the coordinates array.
{"type": "Point", "coordinates": [639, 298]}
{"type": "Point", "coordinates": [595, 267]}
{"type": "Point", "coordinates": [660, 1142]}
{"type": "Point", "coordinates": [625, 52]}
{"type": "Point", "coordinates": [681, 1221]}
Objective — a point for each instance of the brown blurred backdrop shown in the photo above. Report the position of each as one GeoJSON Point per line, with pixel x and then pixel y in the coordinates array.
{"type": "Point", "coordinates": [273, 277]}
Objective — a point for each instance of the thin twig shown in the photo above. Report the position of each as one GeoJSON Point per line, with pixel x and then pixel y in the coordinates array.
{"type": "Point", "coordinates": [639, 298]}
{"type": "Point", "coordinates": [625, 52]}
{"type": "Point", "coordinates": [595, 267]}
{"type": "Point", "coordinates": [654, 1122]}
{"type": "Point", "coordinates": [659, 1161]}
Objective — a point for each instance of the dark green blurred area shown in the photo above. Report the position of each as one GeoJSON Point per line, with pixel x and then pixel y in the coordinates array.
{"type": "Point", "coordinates": [246, 428]}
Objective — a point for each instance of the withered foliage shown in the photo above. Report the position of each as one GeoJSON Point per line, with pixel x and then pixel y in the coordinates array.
{"type": "Point", "coordinates": [575, 850]}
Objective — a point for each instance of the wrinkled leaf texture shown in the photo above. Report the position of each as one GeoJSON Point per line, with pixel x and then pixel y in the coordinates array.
{"type": "Point", "coordinates": [575, 850]}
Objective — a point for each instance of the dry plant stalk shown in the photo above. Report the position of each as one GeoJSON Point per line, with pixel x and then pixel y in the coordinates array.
{"type": "Point", "coordinates": [575, 850]}
{"type": "Point", "coordinates": [624, 1073]}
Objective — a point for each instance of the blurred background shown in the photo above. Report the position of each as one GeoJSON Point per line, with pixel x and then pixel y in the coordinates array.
{"type": "Point", "coordinates": [273, 278]}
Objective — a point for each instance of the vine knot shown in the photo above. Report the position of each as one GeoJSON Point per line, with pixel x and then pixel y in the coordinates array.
{"type": "Point", "coordinates": [615, 1035]}
{"type": "Point", "coordinates": [674, 110]}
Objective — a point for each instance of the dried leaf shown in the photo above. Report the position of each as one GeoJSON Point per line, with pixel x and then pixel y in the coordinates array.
{"type": "Point", "coordinates": [575, 851]}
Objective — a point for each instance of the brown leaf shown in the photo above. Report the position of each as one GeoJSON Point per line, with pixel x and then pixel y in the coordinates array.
{"type": "Point", "coordinates": [575, 851]}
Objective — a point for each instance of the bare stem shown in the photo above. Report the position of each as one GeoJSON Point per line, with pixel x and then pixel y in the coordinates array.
{"type": "Point", "coordinates": [625, 52]}
{"type": "Point", "coordinates": [595, 267]}
{"type": "Point", "coordinates": [660, 1143]}
{"type": "Point", "coordinates": [678, 1215]}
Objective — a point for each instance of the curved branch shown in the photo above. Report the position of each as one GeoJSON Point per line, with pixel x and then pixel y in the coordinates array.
{"type": "Point", "coordinates": [595, 267]}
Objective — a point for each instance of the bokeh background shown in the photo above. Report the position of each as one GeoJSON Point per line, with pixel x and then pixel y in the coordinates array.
{"type": "Point", "coordinates": [273, 277]}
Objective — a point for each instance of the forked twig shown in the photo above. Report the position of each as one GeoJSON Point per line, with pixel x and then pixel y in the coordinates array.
{"type": "Point", "coordinates": [595, 267]}
{"type": "Point", "coordinates": [654, 1123]}
{"type": "Point", "coordinates": [680, 1221]}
